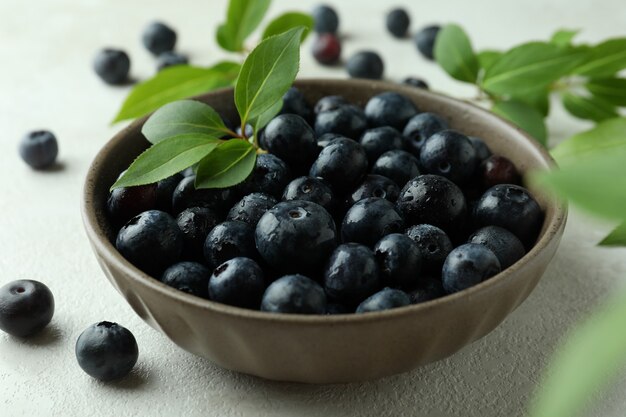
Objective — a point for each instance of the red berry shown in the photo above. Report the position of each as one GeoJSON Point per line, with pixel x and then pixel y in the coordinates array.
{"type": "Point", "coordinates": [498, 170]}
{"type": "Point", "coordinates": [327, 49]}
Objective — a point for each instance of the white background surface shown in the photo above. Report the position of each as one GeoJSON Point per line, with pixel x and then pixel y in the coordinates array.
{"type": "Point", "coordinates": [46, 81]}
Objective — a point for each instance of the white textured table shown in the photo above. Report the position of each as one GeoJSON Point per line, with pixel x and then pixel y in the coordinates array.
{"type": "Point", "coordinates": [46, 81]}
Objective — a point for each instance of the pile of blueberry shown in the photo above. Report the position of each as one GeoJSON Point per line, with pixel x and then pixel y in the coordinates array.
{"type": "Point", "coordinates": [350, 210]}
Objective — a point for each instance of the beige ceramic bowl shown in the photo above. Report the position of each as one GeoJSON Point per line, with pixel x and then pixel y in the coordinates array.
{"type": "Point", "coordinates": [328, 349]}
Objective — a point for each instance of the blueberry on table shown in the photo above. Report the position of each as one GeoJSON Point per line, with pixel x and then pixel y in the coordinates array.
{"type": "Point", "coordinates": [342, 164]}
{"type": "Point", "coordinates": [294, 294]}
{"type": "Point", "coordinates": [384, 299]}
{"type": "Point", "coordinates": [325, 19]}
{"type": "Point", "coordinates": [374, 186]}
{"type": "Point", "coordinates": [415, 82]}
{"type": "Point", "coordinates": [368, 220]}
{"type": "Point", "coordinates": [189, 277]}
{"type": "Point", "coordinates": [238, 282]}
{"type": "Point", "coordinates": [351, 274]}
{"type": "Point", "coordinates": [433, 243]}
{"type": "Point", "coordinates": [429, 290]}
{"type": "Point", "coordinates": [347, 120]}
{"type": "Point", "coordinates": [329, 103]}
{"type": "Point", "coordinates": [195, 223]}
{"type": "Point", "coordinates": [269, 176]}
{"type": "Point", "coordinates": [26, 307]}
{"type": "Point", "coordinates": [165, 190]}
{"type": "Point", "coordinates": [398, 22]}
{"type": "Point", "coordinates": [482, 151]}
{"type": "Point", "coordinates": [310, 189]}
{"type": "Point", "coordinates": [112, 66]}
{"type": "Point", "coordinates": [106, 351]}
{"type": "Point", "coordinates": [158, 38]}
{"type": "Point", "coordinates": [151, 241]}
{"type": "Point", "coordinates": [425, 41]}
{"type": "Point", "coordinates": [169, 59]}
{"type": "Point", "coordinates": [294, 102]}
{"type": "Point", "coordinates": [399, 259]}
{"type": "Point", "coordinates": [365, 64]}
{"type": "Point", "coordinates": [228, 240]}
{"type": "Point", "coordinates": [504, 244]}
{"type": "Point", "coordinates": [419, 128]}
{"type": "Point", "coordinates": [39, 149]}
{"type": "Point", "coordinates": [251, 208]}
{"type": "Point", "coordinates": [498, 170]}
{"type": "Point", "coordinates": [289, 137]}
{"type": "Point", "coordinates": [468, 265]}
{"type": "Point", "coordinates": [397, 165]}
{"type": "Point", "coordinates": [326, 49]}
{"type": "Point", "coordinates": [126, 202]}
{"type": "Point", "coordinates": [186, 195]}
{"type": "Point", "coordinates": [296, 236]}
{"type": "Point", "coordinates": [450, 154]}
{"type": "Point", "coordinates": [379, 140]}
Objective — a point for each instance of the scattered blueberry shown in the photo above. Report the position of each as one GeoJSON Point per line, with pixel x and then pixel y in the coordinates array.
{"type": "Point", "coordinates": [504, 244]}
{"type": "Point", "coordinates": [379, 140]}
{"type": "Point", "coordinates": [342, 164]}
{"type": "Point", "coordinates": [329, 103]}
{"type": "Point", "coordinates": [374, 186]}
{"type": "Point", "coordinates": [228, 240]}
{"type": "Point", "coordinates": [310, 189]}
{"type": "Point", "coordinates": [369, 220]}
{"type": "Point", "coordinates": [415, 82]}
{"type": "Point", "coordinates": [399, 166]}
{"type": "Point", "coordinates": [399, 259]}
{"type": "Point", "coordinates": [389, 109]}
{"type": "Point", "coordinates": [294, 294]}
{"type": "Point", "coordinates": [384, 299]}
{"type": "Point", "coordinates": [26, 307]}
{"type": "Point", "coordinates": [421, 127]}
{"type": "Point", "coordinates": [327, 49]}
{"type": "Point", "coordinates": [270, 176]}
{"type": "Point", "coordinates": [186, 195]}
{"type": "Point", "coordinates": [351, 274]}
{"type": "Point", "coordinates": [294, 102]}
{"type": "Point", "coordinates": [39, 149]}
{"type": "Point", "coordinates": [425, 41]}
{"type": "Point", "coordinates": [498, 170]}
{"type": "Point", "coordinates": [365, 64]}
{"type": "Point", "coordinates": [325, 18]}
{"type": "Point", "coordinates": [112, 66]}
{"type": "Point", "coordinates": [251, 208]}
{"type": "Point", "coordinates": [196, 223]}
{"type": "Point", "coordinates": [482, 151]}
{"type": "Point", "coordinates": [238, 282]}
{"type": "Point", "coordinates": [158, 38]}
{"type": "Point", "coordinates": [433, 243]}
{"type": "Point", "coordinates": [126, 202]}
{"type": "Point", "coordinates": [346, 120]}
{"type": "Point", "coordinates": [170, 59]}
{"type": "Point", "coordinates": [189, 277]}
{"type": "Point", "coordinates": [468, 265]}
{"type": "Point", "coordinates": [289, 137]}
{"type": "Point", "coordinates": [449, 154]}
{"type": "Point", "coordinates": [398, 22]}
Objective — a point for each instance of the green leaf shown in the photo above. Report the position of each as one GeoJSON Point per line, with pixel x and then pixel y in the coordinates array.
{"type": "Point", "coordinates": [523, 116]}
{"type": "Point", "coordinates": [266, 117]}
{"type": "Point", "coordinates": [288, 21]}
{"type": "Point", "coordinates": [530, 65]}
{"type": "Point", "coordinates": [589, 360]}
{"type": "Point", "coordinates": [591, 108]}
{"type": "Point", "coordinates": [267, 74]}
{"type": "Point", "coordinates": [175, 83]}
{"type": "Point", "coordinates": [612, 90]}
{"type": "Point", "coordinates": [166, 158]}
{"type": "Point", "coordinates": [616, 238]}
{"type": "Point", "coordinates": [606, 59]}
{"type": "Point", "coordinates": [228, 165]}
{"type": "Point", "coordinates": [454, 53]}
{"type": "Point", "coordinates": [605, 137]}
{"type": "Point", "coordinates": [563, 37]}
{"type": "Point", "coordinates": [486, 58]}
{"type": "Point", "coordinates": [537, 98]}
{"type": "Point", "coordinates": [181, 118]}
{"type": "Point", "coordinates": [242, 18]}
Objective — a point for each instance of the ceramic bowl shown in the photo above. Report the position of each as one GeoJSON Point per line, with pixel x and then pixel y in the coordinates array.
{"type": "Point", "coordinates": [340, 348]}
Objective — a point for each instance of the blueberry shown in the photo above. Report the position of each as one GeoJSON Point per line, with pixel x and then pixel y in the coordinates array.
{"type": "Point", "coordinates": [369, 220]}
{"type": "Point", "coordinates": [188, 172]}
{"type": "Point", "coordinates": [26, 307]}
{"type": "Point", "coordinates": [151, 241]}
{"type": "Point", "coordinates": [158, 38]}
{"type": "Point", "coordinates": [384, 299]}
{"type": "Point", "coordinates": [165, 190]}
{"type": "Point", "coordinates": [400, 260]}
{"type": "Point", "coordinates": [389, 109]}
{"type": "Point", "coordinates": [421, 127]}
{"type": "Point", "coordinates": [498, 170]}
{"type": "Point", "coordinates": [482, 151]}
{"type": "Point", "coordinates": [365, 64]}
{"type": "Point", "coordinates": [433, 243]}
{"type": "Point", "coordinates": [329, 103]}
{"type": "Point", "coordinates": [106, 351]}
{"type": "Point", "coordinates": [310, 189]}
{"type": "Point", "coordinates": [504, 244]}
{"type": "Point", "coordinates": [429, 290]}
{"type": "Point", "coordinates": [228, 240]}
{"type": "Point", "coordinates": [342, 164]}
{"type": "Point", "coordinates": [449, 154]}
{"type": "Point", "coordinates": [468, 265]}
{"type": "Point", "coordinates": [126, 202]}
{"type": "Point", "coordinates": [398, 22]}
{"type": "Point", "coordinates": [399, 166]}
{"type": "Point", "coordinates": [336, 308]}
{"type": "Point", "coordinates": [379, 140]}
{"type": "Point", "coordinates": [374, 186]}
{"type": "Point", "coordinates": [326, 138]}
{"type": "Point", "coordinates": [170, 59]}
{"type": "Point", "coordinates": [432, 199]}
{"type": "Point", "coordinates": [511, 207]}
{"type": "Point", "coordinates": [270, 176]}
{"type": "Point", "coordinates": [425, 41]}
{"type": "Point", "coordinates": [351, 274]}
{"type": "Point", "coordinates": [325, 18]}
{"type": "Point", "coordinates": [327, 49]}
{"type": "Point", "coordinates": [294, 102]}
{"type": "Point", "coordinates": [296, 236]}
{"type": "Point", "coordinates": [251, 208]}
{"type": "Point", "coordinates": [186, 195]}
{"type": "Point", "coordinates": [39, 149]}
{"type": "Point", "coordinates": [189, 277]}
{"type": "Point", "coordinates": [196, 223]}
{"type": "Point", "coordinates": [112, 66]}
{"type": "Point", "coordinates": [294, 294]}
{"type": "Point", "coordinates": [249, 130]}
{"type": "Point", "coordinates": [289, 137]}
{"type": "Point", "coordinates": [346, 120]}
{"type": "Point", "coordinates": [415, 82]}
{"type": "Point", "coordinates": [238, 282]}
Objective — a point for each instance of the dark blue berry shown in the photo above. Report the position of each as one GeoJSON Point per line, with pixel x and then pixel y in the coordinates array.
{"type": "Point", "coordinates": [504, 244]}
{"type": "Point", "coordinates": [39, 149]}
{"type": "Point", "coordinates": [189, 277]}
{"type": "Point", "coordinates": [384, 299]}
{"type": "Point", "coordinates": [399, 166]}
{"type": "Point", "coordinates": [170, 59]}
{"type": "Point", "coordinates": [289, 137]}
{"type": "Point", "coordinates": [425, 41]}
{"type": "Point", "coordinates": [165, 190]}
{"type": "Point", "coordinates": [369, 220]}
{"type": "Point", "coordinates": [449, 154]}
{"type": "Point", "coordinates": [196, 223]}
{"type": "Point", "coordinates": [188, 172]}
{"type": "Point", "coordinates": [326, 49]}
{"type": "Point", "coordinates": [126, 202]}
{"type": "Point", "coordinates": [186, 195]}
{"type": "Point", "coordinates": [249, 131]}
{"type": "Point", "coordinates": [336, 308]}
{"type": "Point", "coordinates": [374, 186]}
{"type": "Point", "coordinates": [419, 128]}
{"type": "Point", "coordinates": [296, 236]}
{"type": "Point", "coordinates": [294, 102]}
{"type": "Point", "coordinates": [379, 140]}
{"type": "Point", "coordinates": [270, 176]}
{"type": "Point", "coordinates": [399, 259]}
{"type": "Point", "coordinates": [251, 208]}
{"type": "Point", "coordinates": [496, 170]}
{"type": "Point", "coordinates": [428, 290]}
{"type": "Point", "coordinates": [238, 282]}
{"type": "Point", "coordinates": [106, 351]}
{"type": "Point", "coordinates": [468, 265]}
{"type": "Point", "coordinates": [482, 151]}
{"type": "Point", "coordinates": [158, 38]}
{"type": "Point", "coordinates": [398, 22]}
{"type": "Point", "coordinates": [342, 164]}
{"type": "Point", "coordinates": [433, 243]}
{"type": "Point", "coordinates": [365, 64]}
{"type": "Point", "coordinates": [326, 138]}
{"type": "Point", "coordinates": [228, 240]}
{"type": "Point", "coordinates": [351, 274]}
{"type": "Point", "coordinates": [310, 189]}
{"type": "Point", "coordinates": [151, 241]}
{"type": "Point", "coordinates": [389, 109]}
{"type": "Point", "coordinates": [294, 294]}
{"type": "Point", "coordinates": [112, 66]}
{"type": "Point", "coordinates": [329, 103]}
{"type": "Point", "coordinates": [511, 207]}
{"type": "Point", "coordinates": [26, 307]}
{"type": "Point", "coordinates": [325, 18]}
{"type": "Point", "coordinates": [415, 82]}
{"type": "Point", "coordinates": [346, 120]}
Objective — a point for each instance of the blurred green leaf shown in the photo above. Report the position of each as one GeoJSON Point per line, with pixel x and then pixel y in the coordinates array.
{"type": "Point", "coordinates": [612, 90]}
{"type": "Point", "coordinates": [605, 59]}
{"type": "Point", "coordinates": [288, 21]}
{"type": "Point", "coordinates": [537, 98]}
{"type": "Point", "coordinates": [454, 53]}
{"type": "Point", "coordinates": [563, 37]}
{"type": "Point", "coordinates": [616, 238]}
{"type": "Point", "coordinates": [486, 58]}
{"type": "Point", "coordinates": [229, 164]}
{"type": "Point", "coordinates": [523, 116]}
{"type": "Point", "coordinates": [242, 18]}
{"type": "Point", "coordinates": [590, 108]}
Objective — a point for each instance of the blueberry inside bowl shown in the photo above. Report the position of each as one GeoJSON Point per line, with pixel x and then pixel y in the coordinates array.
{"type": "Point", "coordinates": [355, 228]}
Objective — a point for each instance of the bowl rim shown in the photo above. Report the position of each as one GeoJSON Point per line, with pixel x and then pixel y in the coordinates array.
{"type": "Point", "coordinates": [555, 224]}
